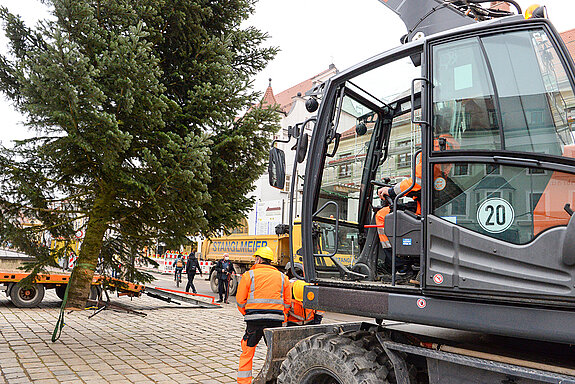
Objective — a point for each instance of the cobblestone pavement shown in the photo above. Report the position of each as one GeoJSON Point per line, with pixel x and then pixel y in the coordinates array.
{"type": "Point", "coordinates": [172, 344]}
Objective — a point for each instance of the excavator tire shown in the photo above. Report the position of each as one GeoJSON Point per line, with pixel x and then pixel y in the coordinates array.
{"type": "Point", "coordinates": [336, 359]}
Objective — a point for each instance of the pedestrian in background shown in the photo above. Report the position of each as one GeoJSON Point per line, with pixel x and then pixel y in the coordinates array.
{"type": "Point", "coordinates": [225, 269]}
{"type": "Point", "coordinates": [192, 266]}
{"type": "Point", "coordinates": [263, 297]}
{"type": "Point", "coordinates": [178, 265]}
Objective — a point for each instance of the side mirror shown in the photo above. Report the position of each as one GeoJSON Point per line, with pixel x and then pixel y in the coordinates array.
{"type": "Point", "coordinates": [311, 105]}
{"type": "Point", "coordinates": [302, 148]}
{"type": "Point", "coordinates": [361, 129]}
{"type": "Point", "coordinates": [276, 168]}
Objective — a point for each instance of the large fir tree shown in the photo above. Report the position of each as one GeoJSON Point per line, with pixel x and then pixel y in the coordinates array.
{"type": "Point", "coordinates": [134, 107]}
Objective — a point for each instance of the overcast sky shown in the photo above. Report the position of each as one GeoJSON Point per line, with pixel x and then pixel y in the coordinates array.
{"type": "Point", "coordinates": [310, 33]}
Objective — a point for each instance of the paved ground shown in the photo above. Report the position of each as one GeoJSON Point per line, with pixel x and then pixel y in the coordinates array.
{"type": "Point", "coordinates": [172, 344]}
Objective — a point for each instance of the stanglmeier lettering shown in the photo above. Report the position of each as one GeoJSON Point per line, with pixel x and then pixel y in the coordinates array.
{"type": "Point", "coordinates": [241, 246]}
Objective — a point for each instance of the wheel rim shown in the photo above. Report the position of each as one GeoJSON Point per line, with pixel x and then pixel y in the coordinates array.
{"type": "Point", "coordinates": [27, 294]}
{"type": "Point", "coordinates": [320, 376]}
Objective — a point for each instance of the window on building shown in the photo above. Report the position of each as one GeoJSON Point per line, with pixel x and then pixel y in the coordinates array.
{"type": "Point", "coordinates": [492, 169]}
{"type": "Point", "coordinates": [461, 169]}
{"type": "Point", "coordinates": [459, 206]}
{"type": "Point", "coordinates": [534, 200]}
{"type": "Point", "coordinates": [287, 184]}
{"type": "Point", "coordinates": [403, 160]}
{"type": "Point", "coordinates": [345, 170]}
{"type": "Point", "coordinates": [403, 143]}
{"type": "Point", "coordinates": [535, 171]}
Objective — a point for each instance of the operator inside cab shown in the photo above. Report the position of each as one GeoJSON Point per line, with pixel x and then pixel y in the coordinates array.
{"type": "Point", "coordinates": [405, 266]}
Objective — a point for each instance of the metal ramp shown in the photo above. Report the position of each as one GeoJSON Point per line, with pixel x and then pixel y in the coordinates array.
{"type": "Point", "coordinates": [177, 297]}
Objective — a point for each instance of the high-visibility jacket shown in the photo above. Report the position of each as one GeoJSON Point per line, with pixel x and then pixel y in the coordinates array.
{"type": "Point", "coordinates": [298, 314]}
{"type": "Point", "coordinates": [440, 170]}
{"type": "Point", "coordinates": [264, 293]}
{"type": "Point", "coordinates": [450, 144]}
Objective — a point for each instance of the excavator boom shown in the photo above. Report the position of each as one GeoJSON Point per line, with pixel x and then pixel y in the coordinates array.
{"type": "Point", "coordinates": [432, 16]}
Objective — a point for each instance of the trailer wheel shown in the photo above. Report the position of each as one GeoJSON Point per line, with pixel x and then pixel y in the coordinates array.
{"type": "Point", "coordinates": [60, 291]}
{"type": "Point", "coordinates": [27, 297]}
{"type": "Point", "coordinates": [332, 359]}
{"type": "Point", "coordinates": [214, 281]}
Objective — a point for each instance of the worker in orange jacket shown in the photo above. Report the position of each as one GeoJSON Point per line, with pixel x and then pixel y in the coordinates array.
{"type": "Point", "coordinates": [263, 297]}
{"type": "Point", "coordinates": [298, 315]}
{"type": "Point", "coordinates": [441, 143]}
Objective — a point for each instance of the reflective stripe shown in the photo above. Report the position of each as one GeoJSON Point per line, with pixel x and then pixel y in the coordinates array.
{"type": "Point", "coordinates": [282, 288]}
{"type": "Point", "coordinates": [385, 244]}
{"type": "Point", "coordinates": [252, 283]}
{"type": "Point", "coordinates": [418, 180]}
{"type": "Point", "coordinates": [244, 373]}
{"type": "Point", "coordinates": [287, 305]}
{"type": "Point", "coordinates": [264, 316]}
{"type": "Point", "coordinates": [265, 301]}
{"type": "Point", "coordinates": [296, 316]}
{"type": "Point", "coordinates": [241, 305]}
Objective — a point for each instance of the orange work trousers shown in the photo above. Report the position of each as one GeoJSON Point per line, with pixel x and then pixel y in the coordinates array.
{"type": "Point", "coordinates": [380, 221]}
{"type": "Point", "coordinates": [246, 360]}
{"type": "Point", "coordinates": [253, 335]}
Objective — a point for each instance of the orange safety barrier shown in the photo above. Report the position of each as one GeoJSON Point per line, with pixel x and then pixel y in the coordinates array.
{"type": "Point", "coordinates": [188, 293]}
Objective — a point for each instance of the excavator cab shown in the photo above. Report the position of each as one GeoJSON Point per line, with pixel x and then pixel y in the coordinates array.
{"type": "Point", "coordinates": [491, 113]}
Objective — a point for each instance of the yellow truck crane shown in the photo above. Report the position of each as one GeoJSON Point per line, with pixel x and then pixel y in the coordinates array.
{"type": "Point", "coordinates": [472, 117]}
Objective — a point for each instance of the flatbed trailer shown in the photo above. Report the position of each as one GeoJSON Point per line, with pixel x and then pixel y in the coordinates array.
{"type": "Point", "coordinates": [31, 296]}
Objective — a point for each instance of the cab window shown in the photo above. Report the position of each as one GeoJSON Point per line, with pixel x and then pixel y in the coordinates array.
{"type": "Point", "coordinates": [510, 203]}
{"type": "Point", "coordinates": [506, 92]}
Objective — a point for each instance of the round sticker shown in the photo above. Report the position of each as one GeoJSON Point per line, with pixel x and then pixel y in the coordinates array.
{"type": "Point", "coordinates": [421, 303]}
{"type": "Point", "coordinates": [79, 234]}
{"type": "Point", "coordinates": [439, 184]}
{"type": "Point", "coordinates": [495, 215]}
{"type": "Point", "coordinates": [438, 278]}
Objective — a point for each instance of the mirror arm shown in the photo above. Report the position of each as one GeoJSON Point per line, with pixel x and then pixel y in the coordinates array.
{"type": "Point", "coordinates": [336, 145]}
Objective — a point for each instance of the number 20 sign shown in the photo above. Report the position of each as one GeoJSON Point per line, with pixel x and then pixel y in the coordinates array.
{"type": "Point", "coordinates": [495, 215]}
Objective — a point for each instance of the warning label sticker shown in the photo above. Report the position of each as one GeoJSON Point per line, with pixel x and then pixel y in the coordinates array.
{"type": "Point", "coordinates": [438, 278]}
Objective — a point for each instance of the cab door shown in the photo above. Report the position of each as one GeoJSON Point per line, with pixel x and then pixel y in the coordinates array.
{"type": "Point", "coordinates": [501, 165]}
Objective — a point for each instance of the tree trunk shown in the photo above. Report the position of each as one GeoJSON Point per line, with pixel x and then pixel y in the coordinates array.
{"type": "Point", "coordinates": [81, 279]}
